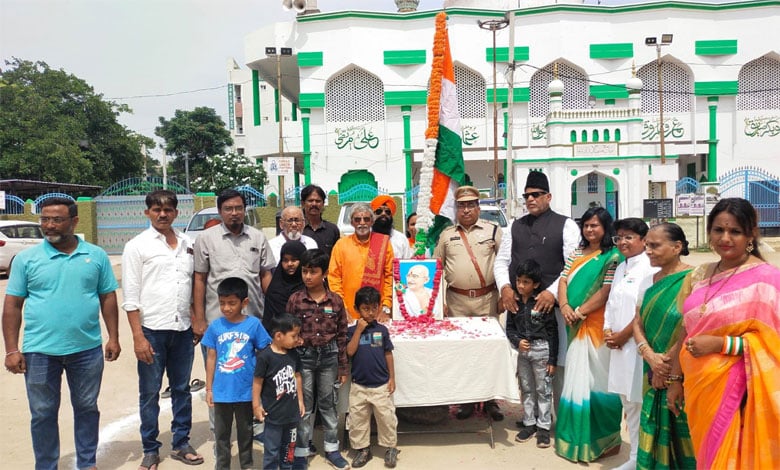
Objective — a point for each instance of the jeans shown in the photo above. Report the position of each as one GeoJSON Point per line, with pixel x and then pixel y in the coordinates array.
{"type": "Point", "coordinates": [173, 353]}
{"type": "Point", "coordinates": [279, 445]}
{"type": "Point", "coordinates": [535, 384]}
{"type": "Point", "coordinates": [84, 371]}
{"type": "Point", "coordinates": [223, 426]}
{"type": "Point", "coordinates": [320, 373]}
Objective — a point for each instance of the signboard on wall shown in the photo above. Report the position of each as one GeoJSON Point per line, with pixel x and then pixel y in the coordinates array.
{"type": "Point", "coordinates": [690, 205]}
{"type": "Point", "coordinates": [658, 208]}
{"type": "Point", "coordinates": [280, 166]}
{"type": "Point", "coordinates": [602, 149]}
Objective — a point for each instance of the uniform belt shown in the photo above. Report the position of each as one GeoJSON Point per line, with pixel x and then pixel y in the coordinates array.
{"type": "Point", "coordinates": [474, 292]}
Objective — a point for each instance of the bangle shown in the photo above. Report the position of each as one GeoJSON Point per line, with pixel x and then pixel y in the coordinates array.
{"type": "Point", "coordinates": [674, 378]}
{"type": "Point", "coordinates": [11, 352]}
{"type": "Point", "coordinates": [640, 346]}
{"type": "Point", "coordinates": [565, 305]}
{"type": "Point", "coordinates": [732, 346]}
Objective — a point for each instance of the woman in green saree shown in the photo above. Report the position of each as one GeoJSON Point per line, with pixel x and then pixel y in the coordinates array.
{"type": "Point", "coordinates": [664, 440]}
{"type": "Point", "coordinates": [588, 425]}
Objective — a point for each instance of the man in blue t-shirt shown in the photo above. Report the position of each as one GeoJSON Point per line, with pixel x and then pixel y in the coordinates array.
{"type": "Point", "coordinates": [63, 284]}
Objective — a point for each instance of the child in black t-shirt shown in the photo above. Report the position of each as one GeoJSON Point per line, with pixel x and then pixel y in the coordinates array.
{"type": "Point", "coordinates": [277, 392]}
{"type": "Point", "coordinates": [535, 335]}
{"type": "Point", "coordinates": [373, 381]}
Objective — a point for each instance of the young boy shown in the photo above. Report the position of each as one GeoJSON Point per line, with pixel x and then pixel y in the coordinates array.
{"type": "Point", "coordinates": [232, 342]}
{"type": "Point", "coordinates": [536, 337]}
{"type": "Point", "coordinates": [323, 354]}
{"type": "Point", "coordinates": [373, 381]}
{"type": "Point", "coordinates": [277, 392]}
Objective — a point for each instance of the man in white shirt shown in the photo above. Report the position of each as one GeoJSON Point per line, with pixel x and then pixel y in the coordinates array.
{"type": "Point", "coordinates": [384, 208]}
{"type": "Point", "coordinates": [157, 268]}
{"type": "Point", "coordinates": [291, 224]}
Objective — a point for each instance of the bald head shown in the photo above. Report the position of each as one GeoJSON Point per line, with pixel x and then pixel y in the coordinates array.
{"type": "Point", "coordinates": [291, 222]}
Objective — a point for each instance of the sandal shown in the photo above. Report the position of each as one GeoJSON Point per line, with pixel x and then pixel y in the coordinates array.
{"type": "Point", "coordinates": [181, 455]}
{"type": "Point", "coordinates": [197, 385]}
{"type": "Point", "coordinates": [166, 393]}
{"type": "Point", "coordinates": [150, 462]}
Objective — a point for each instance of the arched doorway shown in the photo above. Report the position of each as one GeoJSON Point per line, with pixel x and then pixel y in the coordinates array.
{"type": "Point", "coordinates": [594, 189]}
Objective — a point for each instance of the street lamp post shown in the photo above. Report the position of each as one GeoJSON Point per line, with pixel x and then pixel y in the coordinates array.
{"type": "Point", "coordinates": [271, 52]}
{"type": "Point", "coordinates": [652, 41]}
{"type": "Point", "coordinates": [494, 25]}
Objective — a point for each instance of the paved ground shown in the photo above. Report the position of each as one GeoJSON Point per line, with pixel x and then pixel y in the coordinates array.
{"type": "Point", "coordinates": [120, 442]}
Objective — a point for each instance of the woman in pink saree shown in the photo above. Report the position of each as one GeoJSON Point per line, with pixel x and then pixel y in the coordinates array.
{"type": "Point", "coordinates": [730, 356]}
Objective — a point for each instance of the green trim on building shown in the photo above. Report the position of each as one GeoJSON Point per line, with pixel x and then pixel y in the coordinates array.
{"type": "Point", "coordinates": [408, 98]}
{"type": "Point", "coordinates": [310, 59]}
{"type": "Point", "coordinates": [256, 97]}
{"type": "Point", "coordinates": [595, 122]}
{"type": "Point", "coordinates": [609, 101]}
{"type": "Point", "coordinates": [621, 50]}
{"type": "Point", "coordinates": [602, 92]}
{"type": "Point", "coordinates": [522, 53]}
{"type": "Point", "coordinates": [593, 159]}
{"type": "Point", "coordinates": [294, 111]}
{"type": "Point", "coordinates": [717, 47]}
{"type": "Point", "coordinates": [518, 95]}
{"type": "Point", "coordinates": [311, 100]}
{"type": "Point", "coordinates": [716, 88]}
{"type": "Point", "coordinates": [405, 57]}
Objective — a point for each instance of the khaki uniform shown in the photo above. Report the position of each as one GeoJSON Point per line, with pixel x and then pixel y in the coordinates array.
{"type": "Point", "coordinates": [484, 238]}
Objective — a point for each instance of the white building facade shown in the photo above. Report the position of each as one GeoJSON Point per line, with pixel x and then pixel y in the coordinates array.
{"type": "Point", "coordinates": [584, 105]}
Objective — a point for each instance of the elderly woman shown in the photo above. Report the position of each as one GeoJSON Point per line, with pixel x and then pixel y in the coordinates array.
{"type": "Point", "coordinates": [729, 365]}
{"type": "Point", "coordinates": [588, 416]}
{"type": "Point", "coordinates": [664, 438]}
{"type": "Point", "coordinates": [632, 277]}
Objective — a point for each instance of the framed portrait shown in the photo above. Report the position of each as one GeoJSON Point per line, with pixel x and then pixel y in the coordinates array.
{"type": "Point", "coordinates": [416, 289]}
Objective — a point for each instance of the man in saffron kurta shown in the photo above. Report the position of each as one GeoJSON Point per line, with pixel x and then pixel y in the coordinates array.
{"type": "Point", "coordinates": [362, 259]}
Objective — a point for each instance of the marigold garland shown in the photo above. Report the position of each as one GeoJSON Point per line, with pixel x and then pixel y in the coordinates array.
{"type": "Point", "coordinates": [426, 317]}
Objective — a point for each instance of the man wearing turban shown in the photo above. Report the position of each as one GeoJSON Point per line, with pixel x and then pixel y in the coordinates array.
{"type": "Point", "coordinates": [384, 208]}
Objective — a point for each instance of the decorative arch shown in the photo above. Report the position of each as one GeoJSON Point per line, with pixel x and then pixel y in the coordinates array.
{"type": "Point", "coordinates": [471, 88]}
{"type": "Point", "coordinates": [759, 81]}
{"type": "Point", "coordinates": [354, 95]}
{"type": "Point", "coordinates": [594, 188]}
{"type": "Point", "coordinates": [575, 91]}
{"type": "Point", "coordinates": [677, 83]}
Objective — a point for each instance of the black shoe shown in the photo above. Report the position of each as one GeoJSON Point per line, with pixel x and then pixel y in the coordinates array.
{"type": "Point", "coordinates": [526, 433]}
{"type": "Point", "coordinates": [391, 457]}
{"type": "Point", "coordinates": [362, 457]}
{"type": "Point", "coordinates": [465, 411]}
{"type": "Point", "coordinates": [312, 448]}
{"type": "Point", "coordinates": [542, 438]}
{"type": "Point", "coordinates": [491, 408]}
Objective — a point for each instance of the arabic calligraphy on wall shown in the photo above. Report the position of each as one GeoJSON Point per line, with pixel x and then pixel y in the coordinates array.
{"type": "Point", "coordinates": [539, 130]}
{"type": "Point", "coordinates": [762, 126]}
{"type": "Point", "coordinates": [356, 138]}
{"type": "Point", "coordinates": [672, 128]}
{"type": "Point", "coordinates": [469, 134]}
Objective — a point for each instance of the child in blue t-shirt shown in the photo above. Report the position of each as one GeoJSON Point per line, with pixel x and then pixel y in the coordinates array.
{"type": "Point", "coordinates": [232, 342]}
{"type": "Point", "coordinates": [277, 392]}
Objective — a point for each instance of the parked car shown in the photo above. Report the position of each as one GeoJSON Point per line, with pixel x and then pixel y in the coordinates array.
{"type": "Point", "coordinates": [200, 218]}
{"type": "Point", "coordinates": [15, 236]}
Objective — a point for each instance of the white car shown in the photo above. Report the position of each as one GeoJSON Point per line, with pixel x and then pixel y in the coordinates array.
{"type": "Point", "coordinates": [15, 236]}
{"type": "Point", "coordinates": [199, 219]}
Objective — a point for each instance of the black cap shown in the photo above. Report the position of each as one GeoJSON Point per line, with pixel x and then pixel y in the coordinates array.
{"type": "Point", "coordinates": [538, 180]}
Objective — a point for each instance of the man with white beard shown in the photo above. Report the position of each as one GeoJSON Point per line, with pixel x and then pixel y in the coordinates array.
{"type": "Point", "coordinates": [291, 224]}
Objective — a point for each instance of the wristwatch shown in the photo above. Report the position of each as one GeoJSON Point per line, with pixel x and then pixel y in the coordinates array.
{"type": "Point", "coordinates": [386, 310]}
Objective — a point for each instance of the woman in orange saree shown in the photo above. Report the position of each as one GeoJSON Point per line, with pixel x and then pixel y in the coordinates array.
{"type": "Point", "coordinates": [729, 360]}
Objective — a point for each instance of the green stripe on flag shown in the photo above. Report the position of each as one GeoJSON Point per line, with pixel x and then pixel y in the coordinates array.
{"type": "Point", "coordinates": [449, 155]}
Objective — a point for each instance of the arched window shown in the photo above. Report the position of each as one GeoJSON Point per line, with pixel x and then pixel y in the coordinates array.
{"type": "Point", "coordinates": [584, 136]}
{"type": "Point", "coordinates": [354, 95]}
{"type": "Point", "coordinates": [617, 135]}
{"type": "Point", "coordinates": [678, 88]}
{"type": "Point", "coordinates": [575, 91]}
{"type": "Point", "coordinates": [471, 93]}
{"type": "Point", "coordinates": [595, 135]}
{"type": "Point", "coordinates": [573, 136]}
{"type": "Point", "coordinates": [758, 83]}
{"type": "Point", "coordinates": [606, 135]}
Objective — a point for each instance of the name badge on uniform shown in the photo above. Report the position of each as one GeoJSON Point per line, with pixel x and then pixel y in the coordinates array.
{"type": "Point", "coordinates": [328, 310]}
{"type": "Point", "coordinates": [454, 238]}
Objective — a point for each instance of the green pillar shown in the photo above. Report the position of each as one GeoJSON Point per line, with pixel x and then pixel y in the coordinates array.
{"type": "Point", "coordinates": [505, 106]}
{"type": "Point", "coordinates": [712, 158]}
{"type": "Point", "coordinates": [406, 113]}
{"type": "Point", "coordinates": [276, 105]}
{"type": "Point", "coordinates": [256, 96]}
{"type": "Point", "coordinates": [305, 114]}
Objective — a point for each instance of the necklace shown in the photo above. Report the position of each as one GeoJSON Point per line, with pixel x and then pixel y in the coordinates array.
{"type": "Point", "coordinates": [703, 308]}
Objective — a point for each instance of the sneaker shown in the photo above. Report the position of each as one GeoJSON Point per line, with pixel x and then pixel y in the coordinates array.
{"type": "Point", "coordinates": [300, 463]}
{"type": "Point", "coordinates": [334, 458]}
{"type": "Point", "coordinates": [391, 457]}
{"type": "Point", "coordinates": [542, 438]}
{"type": "Point", "coordinates": [526, 433]}
{"type": "Point", "coordinates": [362, 457]}
{"type": "Point", "coordinates": [312, 448]}
{"type": "Point", "coordinates": [492, 409]}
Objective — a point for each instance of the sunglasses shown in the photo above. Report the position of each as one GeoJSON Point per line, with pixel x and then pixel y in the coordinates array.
{"type": "Point", "coordinates": [361, 219]}
{"type": "Point", "coordinates": [380, 211]}
{"type": "Point", "coordinates": [629, 238]}
{"type": "Point", "coordinates": [535, 194]}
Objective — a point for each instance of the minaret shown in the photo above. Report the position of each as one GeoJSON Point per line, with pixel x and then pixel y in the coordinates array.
{"type": "Point", "coordinates": [634, 87]}
{"type": "Point", "coordinates": [555, 88]}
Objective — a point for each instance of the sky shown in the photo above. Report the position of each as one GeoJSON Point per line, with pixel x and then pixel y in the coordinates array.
{"type": "Point", "coordinates": [156, 56]}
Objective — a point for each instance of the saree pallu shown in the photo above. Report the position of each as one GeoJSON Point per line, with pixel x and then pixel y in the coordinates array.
{"type": "Point", "coordinates": [588, 416]}
{"type": "Point", "coordinates": [664, 439]}
{"type": "Point", "coordinates": [733, 402]}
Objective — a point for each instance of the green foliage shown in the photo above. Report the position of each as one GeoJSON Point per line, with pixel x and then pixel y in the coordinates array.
{"type": "Point", "coordinates": [54, 127]}
{"type": "Point", "coordinates": [228, 171]}
{"type": "Point", "coordinates": [196, 134]}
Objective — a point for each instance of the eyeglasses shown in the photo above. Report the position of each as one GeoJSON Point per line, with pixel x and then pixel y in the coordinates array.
{"type": "Point", "coordinates": [294, 221]}
{"type": "Point", "coordinates": [230, 209]}
{"type": "Point", "coordinates": [467, 205]}
{"type": "Point", "coordinates": [380, 211]}
{"type": "Point", "coordinates": [361, 219]}
{"type": "Point", "coordinates": [55, 220]}
{"type": "Point", "coordinates": [535, 194]}
{"type": "Point", "coordinates": [627, 238]}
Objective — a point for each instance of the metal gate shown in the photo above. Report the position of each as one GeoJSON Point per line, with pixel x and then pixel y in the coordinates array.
{"type": "Point", "coordinates": [762, 189]}
{"type": "Point", "coordinates": [120, 211]}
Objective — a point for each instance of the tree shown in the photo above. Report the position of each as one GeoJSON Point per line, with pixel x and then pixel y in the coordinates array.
{"type": "Point", "coordinates": [194, 135]}
{"type": "Point", "coordinates": [228, 171]}
{"type": "Point", "coordinates": [54, 127]}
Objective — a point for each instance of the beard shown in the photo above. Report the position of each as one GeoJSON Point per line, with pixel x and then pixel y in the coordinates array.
{"type": "Point", "coordinates": [293, 235]}
{"type": "Point", "coordinates": [383, 225]}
